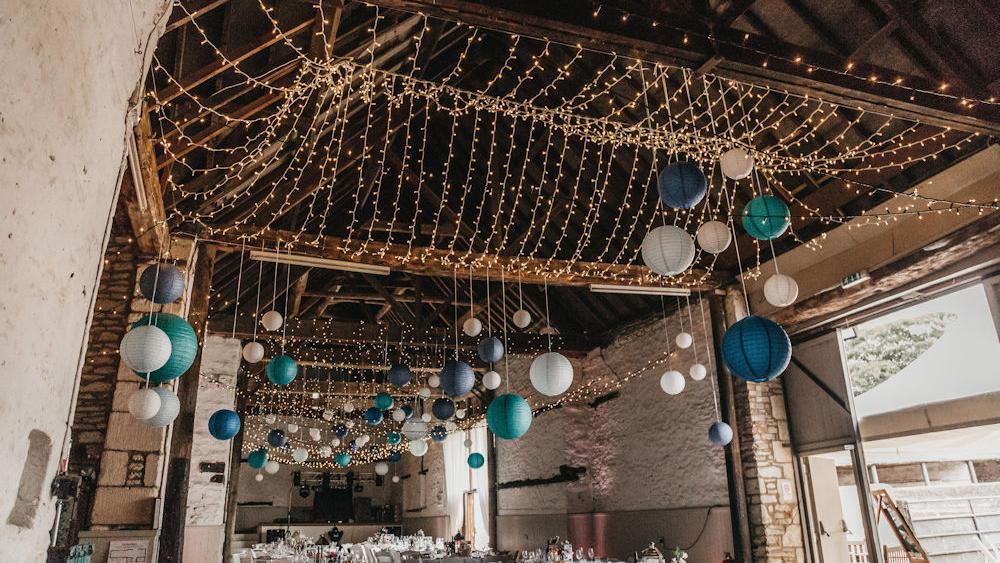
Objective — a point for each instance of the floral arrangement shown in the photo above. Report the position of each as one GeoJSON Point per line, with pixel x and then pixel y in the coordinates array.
{"type": "Point", "coordinates": [679, 556]}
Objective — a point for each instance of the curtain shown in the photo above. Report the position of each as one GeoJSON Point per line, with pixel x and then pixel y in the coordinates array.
{"type": "Point", "coordinates": [481, 484]}
{"type": "Point", "coordinates": [456, 480]}
{"type": "Point", "coordinates": [459, 478]}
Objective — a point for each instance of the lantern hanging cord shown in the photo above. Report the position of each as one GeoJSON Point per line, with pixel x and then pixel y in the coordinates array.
{"type": "Point", "coordinates": [666, 332]}
{"type": "Point", "coordinates": [288, 285]}
{"type": "Point", "coordinates": [256, 310]}
{"type": "Point", "coordinates": [503, 300]}
{"type": "Point", "coordinates": [548, 322]}
{"type": "Point", "coordinates": [454, 279]}
{"type": "Point", "coordinates": [239, 281]}
{"type": "Point", "coordinates": [708, 352]}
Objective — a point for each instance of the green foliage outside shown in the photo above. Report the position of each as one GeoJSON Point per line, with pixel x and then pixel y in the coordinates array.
{"type": "Point", "coordinates": [881, 352]}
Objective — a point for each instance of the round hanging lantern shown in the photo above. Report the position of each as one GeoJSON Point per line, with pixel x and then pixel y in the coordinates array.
{"type": "Point", "coordinates": [271, 320]}
{"type": "Point", "coordinates": [426, 417]}
{"type": "Point", "coordinates": [476, 460]}
{"type": "Point", "coordinates": [328, 414]}
{"type": "Point", "coordinates": [720, 433]}
{"type": "Point", "coordinates": [467, 443]}
{"type": "Point", "coordinates": [522, 318]}
{"type": "Point", "coordinates": [383, 401]}
{"type": "Point", "coordinates": [257, 459]}
{"type": "Point", "coordinates": [271, 467]}
{"type": "Point", "coordinates": [434, 381]}
{"type": "Point", "coordinates": [459, 413]}
{"type": "Point", "coordinates": [398, 414]}
{"type": "Point", "coordinates": [472, 326]}
{"type": "Point", "coordinates": [508, 416]}
{"type": "Point", "coordinates": [300, 455]}
{"type": "Point", "coordinates": [395, 456]}
{"type": "Point", "coordinates": [408, 410]}
{"type": "Point", "coordinates": [342, 459]}
{"type": "Point", "coordinates": [414, 429]}
{"type": "Point", "coordinates": [551, 374]}
{"type": "Point", "coordinates": [281, 370]}
{"type": "Point", "coordinates": [781, 290]}
{"type": "Point", "coordinates": [353, 445]}
{"type": "Point", "coordinates": [258, 477]}
{"type": "Point", "coordinates": [315, 434]}
{"type": "Point", "coordinates": [145, 348]}
{"type": "Point", "coordinates": [170, 407]}
{"type": "Point", "coordinates": [334, 442]}
{"type": "Point", "coordinates": [698, 372]}
{"type": "Point", "coordinates": [183, 346]}
{"type": "Point", "coordinates": [683, 340]}
{"type": "Point", "coordinates": [270, 418]}
{"type": "Point", "coordinates": [443, 408]}
{"type": "Point", "coordinates": [765, 217]}
{"type": "Point", "coordinates": [144, 403]}
{"type": "Point", "coordinates": [364, 439]}
{"type": "Point", "coordinates": [223, 424]}
{"type": "Point", "coordinates": [348, 407]}
{"type": "Point", "coordinates": [381, 468]}
{"type": "Point", "coordinates": [425, 392]}
{"type": "Point", "coordinates": [672, 382]}
{"type": "Point", "coordinates": [399, 375]}
{"type": "Point", "coordinates": [439, 433]}
{"type": "Point", "coordinates": [276, 438]}
{"type": "Point", "coordinates": [492, 380]}
{"type": "Point", "coordinates": [490, 349]}
{"type": "Point", "coordinates": [457, 378]}
{"type": "Point", "coordinates": [395, 478]}
{"type": "Point", "coordinates": [417, 447]}
{"type": "Point", "coordinates": [714, 237]}
{"type": "Point", "coordinates": [668, 250]}
{"type": "Point", "coordinates": [373, 416]}
{"type": "Point", "coordinates": [340, 431]}
{"type": "Point", "coordinates": [682, 185]}
{"type": "Point", "coordinates": [253, 352]}
{"type": "Point", "coordinates": [349, 423]}
{"type": "Point", "coordinates": [736, 164]}
{"type": "Point", "coordinates": [393, 438]}
{"type": "Point", "coordinates": [450, 425]}
{"type": "Point", "coordinates": [756, 349]}
{"type": "Point", "coordinates": [293, 428]}
{"type": "Point", "coordinates": [325, 451]}
{"type": "Point", "coordinates": [167, 280]}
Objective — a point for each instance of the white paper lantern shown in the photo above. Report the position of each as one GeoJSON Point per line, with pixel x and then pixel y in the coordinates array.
{"type": "Point", "coordinates": [450, 426]}
{"type": "Point", "coordinates": [398, 414]}
{"type": "Point", "coordinates": [426, 417]}
{"type": "Point", "coordinates": [253, 352]}
{"type": "Point", "coordinates": [348, 407]}
{"type": "Point", "coordinates": [271, 467]}
{"type": "Point", "coordinates": [293, 428]}
{"type": "Point", "coordinates": [328, 414]}
{"type": "Point", "coordinates": [522, 318]}
{"type": "Point", "coordinates": [349, 423]}
{"type": "Point", "coordinates": [472, 326]}
{"type": "Point", "coordinates": [334, 442]}
{"type": "Point", "coordinates": [270, 418]}
{"type": "Point", "coordinates": [170, 406]}
{"type": "Point", "coordinates": [668, 250]}
{"type": "Point", "coordinates": [271, 320]}
{"type": "Point", "coordinates": [736, 164]}
{"type": "Point", "coordinates": [492, 380]}
{"type": "Point", "coordinates": [698, 372]}
{"type": "Point", "coordinates": [258, 477]}
{"type": "Point", "coordinates": [418, 447]}
{"type": "Point", "coordinates": [425, 392]}
{"type": "Point", "coordinates": [714, 237]}
{"type": "Point", "coordinates": [144, 403]}
{"type": "Point", "coordinates": [434, 381]}
{"type": "Point", "coordinates": [414, 429]}
{"type": "Point", "coordinates": [364, 438]}
{"type": "Point", "coordinates": [683, 340]}
{"type": "Point", "coordinates": [781, 290]}
{"type": "Point", "coordinates": [300, 455]}
{"type": "Point", "coordinates": [315, 434]}
{"type": "Point", "coordinates": [460, 413]}
{"type": "Point", "coordinates": [395, 478]}
{"type": "Point", "coordinates": [672, 382]}
{"type": "Point", "coordinates": [381, 468]}
{"type": "Point", "coordinates": [325, 451]}
{"type": "Point", "coordinates": [551, 374]}
{"type": "Point", "coordinates": [145, 348]}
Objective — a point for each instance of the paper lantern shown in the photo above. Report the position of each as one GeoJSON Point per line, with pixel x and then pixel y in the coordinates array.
{"type": "Point", "coordinates": [426, 417]}
{"type": "Point", "coordinates": [521, 318]}
{"type": "Point", "coordinates": [393, 438]}
{"type": "Point", "coordinates": [334, 442]}
{"type": "Point", "coordinates": [492, 380]}
{"type": "Point", "coordinates": [424, 393]}
{"type": "Point", "coordinates": [145, 348]}
{"type": "Point", "coordinates": [170, 407]}
{"type": "Point", "coordinates": [459, 413]}
{"type": "Point", "coordinates": [434, 381]}
{"type": "Point", "coordinates": [439, 433]}
{"type": "Point", "coordinates": [736, 164]}
{"type": "Point", "coordinates": [399, 415]}
{"type": "Point", "coordinates": [223, 424]}
{"type": "Point", "coordinates": [714, 237]}
{"type": "Point", "coordinates": [395, 478]}
{"type": "Point", "coordinates": [340, 431]}
{"type": "Point", "coordinates": [364, 439]}
{"type": "Point", "coordinates": [672, 382]}
{"type": "Point", "coordinates": [417, 447]}
{"type": "Point", "coordinates": [408, 410]}
{"type": "Point", "coordinates": [325, 451]}
{"type": "Point", "coordinates": [270, 418]}
{"type": "Point", "coordinates": [144, 403]}
{"type": "Point", "coordinates": [720, 434]}
{"type": "Point", "coordinates": [765, 217]}
{"type": "Point", "coordinates": [551, 374]}
{"type": "Point", "coordinates": [490, 349]}
{"type": "Point", "coordinates": [257, 459]}
{"type": "Point", "coordinates": [399, 375]}
{"type": "Point", "coordinates": [476, 460]}
{"type": "Point", "coordinates": [383, 401]}
{"type": "Point", "coordinates": [668, 250]}
{"type": "Point", "coordinates": [342, 459]}
{"type": "Point", "coordinates": [161, 283]}
{"type": "Point", "coordinates": [353, 445]}
{"type": "Point", "coordinates": [450, 425]}
{"type": "Point", "coordinates": [508, 416]}
{"type": "Point", "coordinates": [271, 467]}
{"type": "Point", "coordinates": [315, 434]}
{"type": "Point", "coordinates": [457, 378]}
{"type": "Point", "coordinates": [258, 477]}
{"type": "Point", "coordinates": [683, 340]}
{"type": "Point", "coordinates": [348, 407]}
{"type": "Point", "coordinates": [698, 372]}
{"type": "Point", "coordinates": [381, 468]}
{"type": "Point", "coordinates": [414, 429]}
{"type": "Point", "coordinates": [781, 290]}
{"type": "Point", "coordinates": [271, 320]}
{"type": "Point", "coordinates": [472, 326]}
{"type": "Point", "coordinates": [395, 456]}
{"type": "Point", "coordinates": [292, 428]}
{"type": "Point", "coordinates": [253, 352]}
{"type": "Point", "coordinates": [281, 370]}
{"type": "Point", "coordinates": [443, 408]}
{"type": "Point", "coordinates": [300, 455]}
{"type": "Point", "coordinates": [682, 185]}
{"type": "Point", "coordinates": [467, 443]}
{"type": "Point", "coordinates": [349, 423]}
{"type": "Point", "coordinates": [756, 349]}
{"type": "Point", "coordinates": [276, 438]}
{"type": "Point", "coordinates": [183, 346]}
{"type": "Point", "coordinates": [373, 416]}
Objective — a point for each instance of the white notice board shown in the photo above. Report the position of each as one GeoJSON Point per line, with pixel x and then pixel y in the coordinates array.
{"type": "Point", "coordinates": [128, 551]}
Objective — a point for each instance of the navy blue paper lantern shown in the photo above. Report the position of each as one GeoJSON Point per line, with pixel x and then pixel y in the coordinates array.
{"type": "Point", "coordinates": [476, 460]}
{"type": "Point", "coordinates": [490, 349]}
{"type": "Point", "coordinates": [257, 459]}
{"type": "Point", "coordinates": [756, 349]}
{"type": "Point", "coordinates": [457, 378]}
{"type": "Point", "coordinates": [720, 433]}
{"type": "Point", "coordinates": [353, 445]}
{"type": "Point", "coordinates": [508, 416]}
{"type": "Point", "coordinates": [395, 456]}
{"type": "Point", "coordinates": [408, 411]}
{"type": "Point", "coordinates": [373, 416]}
{"type": "Point", "coordinates": [276, 438]}
{"type": "Point", "coordinates": [340, 431]}
{"type": "Point", "coordinates": [443, 408]}
{"type": "Point", "coordinates": [400, 375]}
{"type": "Point", "coordinates": [167, 280]}
{"type": "Point", "coordinates": [223, 424]}
{"type": "Point", "coordinates": [682, 185]}
{"type": "Point", "coordinates": [439, 433]}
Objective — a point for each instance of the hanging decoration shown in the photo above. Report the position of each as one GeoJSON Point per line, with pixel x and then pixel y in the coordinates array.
{"type": "Point", "coordinates": [781, 290]}
{"type": "Point", "coordinates": [756, 349]}
{"type": "Point", "coordinates": [161, 283]}
{"type": "Point", "coordinates": [145, 348]}
{"type": "Point", "coordinates": [443, 408]}
{"type": "Point", "coordinates": [683, 340]}
{"type": "Point", "coordinates": [698, 371]}
{"type": "Point", "coordinates": [393, 438]}
{"type": "Point", "coordinates": [720, 434]}
{"type": "Point", "coordinates": [144, 403]}
{"type": "Point", "coordinates": [400, 375]}
{"type": "Point", "coordinates": [383, 401]}
{"type": "Point", "coordinates": [682, 185]}
{"type": "Point", "coordinates": [281, 370]}
{"type": "Point", "coordinates": [736, 164]}
{"type": "Point", "coordinates": [491, 349]}
{"type": "Point", "coordinates": [300, 455]}
{"type": "Point", "coordinates": [672, 382]}
{"type": "Point", "coordinates": [170, 407]}
{"type": "Point", "coordinates": [224, 424]}
{"type": "Point", "coordinates": [457, 378]}
{"type": "Point", "coordinates": [508, 416]}
{"type": "Point", "coordinates": [381, 468]}
{"type": "Point", "coordinates": [417, 447]}
{"type": "Point", "coordinates": [714, 237]}
{"type": "Point", "coordinates": [343, 459]}
{"type": "Point", "coordinates": [765, 217]}
{"type": "Point", "coordinates": [373, 416]}
{"type": "Point", "coordinates": [271, 320]}
{"type": "Point", "coordinates": [258, 459]}
{"type": "Point", "coordinates": [668, 250]}
{"type": "Point", "coordinates": [491, 380]}
{"type": "Point", "coordinates": [439, 433]}
{"type": "Point", "coordinates": [551, 374]}
{"type": "Point", "coordinates": [414, 429]}
{"type": "Point", "coordinates": [476, 460]}
{"type": "Point", "coordinates": [276, 438]}
{"type": "Point", "coordinates": [271, 467]}
{"type": "Point", "coordinates": [253, 352]}
{"type": "Point", "coordinates": [183, 346]}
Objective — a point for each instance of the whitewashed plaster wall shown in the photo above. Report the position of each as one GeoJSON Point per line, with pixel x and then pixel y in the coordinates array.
{"type": "Point", "coordinates": [71, 70]}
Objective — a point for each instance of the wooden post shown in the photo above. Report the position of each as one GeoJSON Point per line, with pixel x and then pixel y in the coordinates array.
{"type": "Point", "coordinates": [738, 512]}
{"type": "Point", "coordinates": [491, 451]}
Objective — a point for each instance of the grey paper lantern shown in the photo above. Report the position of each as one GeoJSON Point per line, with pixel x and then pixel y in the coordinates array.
{"type": "Point", "coordinates": [167, 281]}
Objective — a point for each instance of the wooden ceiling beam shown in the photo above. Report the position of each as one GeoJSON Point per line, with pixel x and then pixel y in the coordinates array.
{"type": "Point", "coordinates": [144, 203]}
{"type": "Point", "coordinates": [186, 16]}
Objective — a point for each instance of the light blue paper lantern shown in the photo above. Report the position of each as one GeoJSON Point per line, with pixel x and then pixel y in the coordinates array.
{"type": "Point", "coordinates": [490, 349]}
{"type": "Point", "coordinates": [457, 378]}
{"type": "Point", "coordinates": [756, 349]}
{"type": "Point", "coordinates": [508, 416]}
{"type": "Point", "coordinates": [720, 434]}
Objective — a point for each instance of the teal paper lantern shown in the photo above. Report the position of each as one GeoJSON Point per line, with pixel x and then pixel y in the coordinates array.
{"type": "Point", "coordinates": [476, 460]}
{"type": "Point", "coordinates": [373, 416]}
{"type": "Point", "coordinates": [383, 401]}
{"type": "Point", "coordinates": [257, 459]}
{"type": "Point", "coordinates": [765, 217]}
{"type": "Point", "coordinates": [393, 438]}
{"type": "Point", "coordinates": [756, 349]}
{"type": "Point", "coordinates": [224, 424]}
{"type": "Point", "coordinates": [183, 346]}
{"type": "Point", "coordinates": [343, 459]}
{"type": "Point", "coordinates": [281, 370]}
{"type": "Point", "coordinates": [508, 416]}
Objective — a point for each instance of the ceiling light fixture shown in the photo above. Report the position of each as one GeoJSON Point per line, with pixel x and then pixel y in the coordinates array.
{"type": "Point", "coordinates": [316, 262]}
{"type": "Point", "coordinates": [640, 290]}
